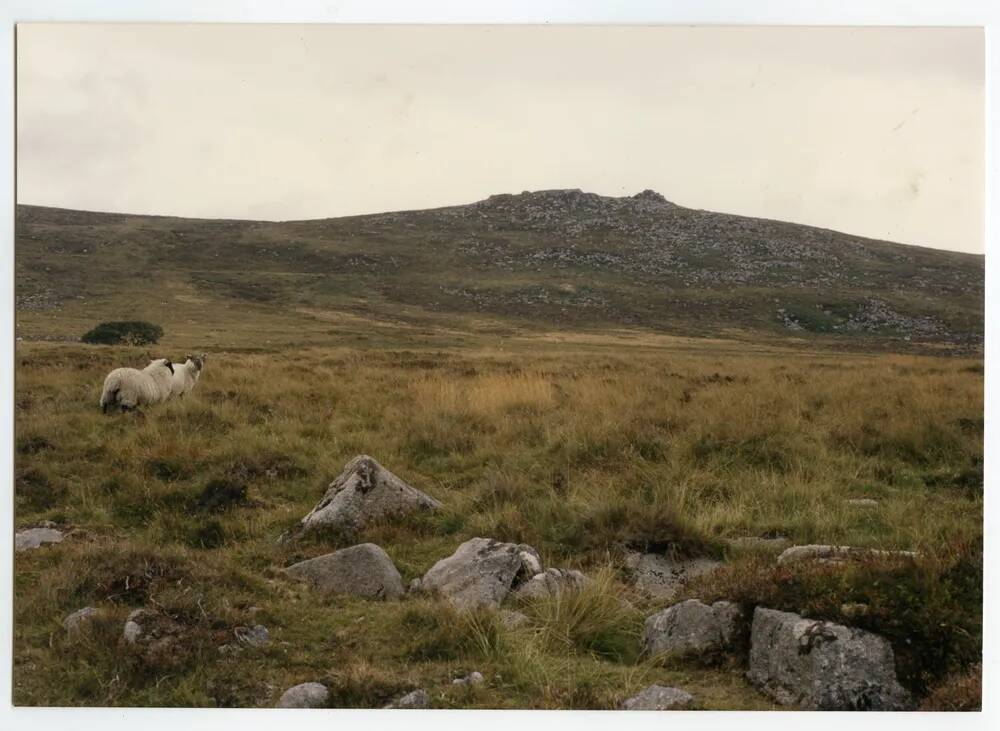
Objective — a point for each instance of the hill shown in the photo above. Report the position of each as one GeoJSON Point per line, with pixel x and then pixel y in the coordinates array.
{"type": "Point", "coordinates": [560, 259]}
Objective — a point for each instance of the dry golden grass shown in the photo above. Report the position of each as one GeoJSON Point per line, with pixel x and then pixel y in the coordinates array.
{"type": "Point", "coordinates": [578, 449]}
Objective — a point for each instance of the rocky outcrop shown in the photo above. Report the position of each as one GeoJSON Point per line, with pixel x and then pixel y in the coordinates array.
{"type": "Point", "coordinates": [30, 538]}
{"type": "Point", "coordinates": [364, 570]}
{"type": "Point", "coordinates": [305, 695]}
{"type": "Point", "coordinates": [838, 554]}
{"type": "Point", "coordinates": [482, 572]}
{"type": "Point", "coordinates": [363, 492]}
{"type": "Point", "coordinates": [662, 577]}
{"type": "Point", "coordinates": [550, 583]}
{"type": "Point", "coordinates": [659, 698]}
{"type": "Point", "coordinates": [823, 666]}
{"type": "Point", "coordinates": [692, 627]}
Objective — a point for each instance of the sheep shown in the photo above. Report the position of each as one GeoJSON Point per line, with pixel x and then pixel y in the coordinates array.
{"type": "Point", "coordinates": [186, 375]}
{"type": "Point", "coordinates": [129, 388]}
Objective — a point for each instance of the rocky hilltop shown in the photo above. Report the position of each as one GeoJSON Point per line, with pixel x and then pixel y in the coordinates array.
{"type": "Point", "coordinates": [562, 258]}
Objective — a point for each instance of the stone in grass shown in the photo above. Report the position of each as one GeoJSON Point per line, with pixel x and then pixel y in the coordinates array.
{"type": "Point", "coordinates": [510, 618]}
{"type": "Point", "coordinates": [304, 695]}
{"type": "Point", "coordinates": [413, 700]}
{"type": "Point", "coordinates": [838, 554]}
{"type": "Point", "coordinates": [364, 491]}
{"type": "Point", "coordinates": [662, 577]}
{"type": "Point", "coordinates": [551, 582]}
{"type": "Point", "coordinates": [31, 538]}
{"type": "Point", "coordinates": [364, 570]}
{"type": "Point", "coordinates": [659, 698]}
{"type": "Point", "coordinates": [256, 636]}
{"type": "Point", "coordinates": [692, 627]}
{"type": "Point", "coordinates": [823, 666]}
{"type": "Point", "coordinates": [481, 573]}
{"type": "Point", "coordinates": [473, 678]}
{"type": "Point", "coordinates": [80, 618]}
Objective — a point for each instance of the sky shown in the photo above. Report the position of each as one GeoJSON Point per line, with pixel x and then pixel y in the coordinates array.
{"type": "Point", "coordinates": [872, 131]}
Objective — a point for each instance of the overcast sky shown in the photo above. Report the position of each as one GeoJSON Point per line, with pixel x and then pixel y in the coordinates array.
{"type": "Point", "coordinates": [877, 132]}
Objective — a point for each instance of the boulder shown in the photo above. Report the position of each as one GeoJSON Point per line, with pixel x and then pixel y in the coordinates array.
{"type": "Point", "coordinates": [837, 554]}
{"type": "Point", "coordinates": [551, 582]}
{"type": "Point", "coordinates": [482, 572]}
{"type": "Point", "coordinates": [363, 492]}
{"type": "Point", "coordinates": [80, 618]}
{"type": "Point", "coordinates": [30, 538]}
{"type": "Point", "coordinates": [659, 698]}
{"type": "Point", "coordinates": [364, 570]}
{"type": "Point", "coordinates": [662, 577]}
{"type": "Point", "coordinates": [304, 695]}
{"type": "Point", "coordinates": [692, 627]}
{"type": "Point", "coordinates": [413, 700]}
{"type": "Point", "coordinates": [823, 666]}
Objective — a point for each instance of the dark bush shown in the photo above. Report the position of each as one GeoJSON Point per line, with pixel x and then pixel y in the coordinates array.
{"type": "Point", "coordinates": [132, 332]}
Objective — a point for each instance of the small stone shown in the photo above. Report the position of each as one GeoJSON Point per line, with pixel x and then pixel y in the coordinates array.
{"type": "Point", "coordinates": [413, 700]}
{"type": "Point", "coordinates": [692, 627]}
{"type": "Point", "coordinates": [304, 695]}
{"type": "Point", "coordinates": [133, 628]}
{"type": "Point", "coordinates": [256, 636]}
{"type": "Point", "coordinates": [550, 583]}
{"type": "Point", "coordinates": [659, 698]}
{"type": "Point", "coordinates": [79, 618]}
{"type": "Point", "coordinates": [26, 540]}
{"type": "Point", "coordinates": [473, 678]}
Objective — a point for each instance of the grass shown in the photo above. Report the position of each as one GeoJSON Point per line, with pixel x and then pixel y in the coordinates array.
{"type": "Point", "coordinates": [577, 445]}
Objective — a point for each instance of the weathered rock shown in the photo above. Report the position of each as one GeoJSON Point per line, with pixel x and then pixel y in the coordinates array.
{"type": "Point", "coordinates": [862, 502]}
{"type": "Point", "coordinates": [304, 695]}
{"type": "Point", "coordinates": [80, 618]}
{"type": "Point", "coordinates": [473, 678]}
{"type": "Point", "coordinates": [413, 700]}
{"type": "Point", "coordinates": [134, 624]}
{"type": "Point", "coordinates": [363, 570]}
{"type": "Point", "coordinates": [363, 492]}
{"type": "Point", "coordinates": [662, 577]}
{"type": "Point", "coordinates": [692, 627]}
{"type": "Point", "coordinates": [823, 666]}
{"type": "Point", "coordinates": [30, 538]}
{"type": "Point", "coordinates": [659, 698]}
{"type": "Point", "coordinates": [156, 638]}
{"type": "Point", "coordinates": [481, 572]}
{"type": "Point", "coordinates": [838, 554]}
{"type": "Point", "coordinates": [256, 636]}
{"type": "Point", "coordinates": [551, 582]}
{"type": "Point", "coordinates": [511, 619]}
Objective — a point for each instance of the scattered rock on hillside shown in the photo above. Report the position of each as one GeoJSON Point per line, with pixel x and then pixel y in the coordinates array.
{"type": "Point", "coordinates": [364, 570]}
{"type": "Point", "coordinates": [80, 618]}
{"type": "Point", "coordinates": [364, 491]}
{"type": "Point", "coordinates": [156, 638]}
{"type": "Point", "coordinates": [837, 554]}
{"type": "Point", "coordinates": [692, 627]}
{"type": "Point", "coordinates": [473, 678]}
{"type": "Point", "coordinates": [482, 572]}
{"type": "Point", "coordinates": [823, 666]}
{"type": "Point", "coordinates": [413, 700]}
{"type": "Point", "coordinates": [30, 538]}
{"type": "Point", "coordinates": [659, 698]}
{"type": "Point", "coordinates": [256, 636]}
{"type": "Point", "coordinates": [662, 577]}
{"type": "Point", "coordinates": [551, 582]}
{"type": "Point", "coordinates": [304, 695]}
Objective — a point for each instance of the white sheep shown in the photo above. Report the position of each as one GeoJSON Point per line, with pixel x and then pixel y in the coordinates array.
{"type": "Point", "coordinates": [186, 375]}
{"type": "Point", "coordinates": [129, 388]}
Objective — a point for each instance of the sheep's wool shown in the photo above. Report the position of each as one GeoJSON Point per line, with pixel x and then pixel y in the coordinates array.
{"type": "Point", "coordinates": [129, 387]}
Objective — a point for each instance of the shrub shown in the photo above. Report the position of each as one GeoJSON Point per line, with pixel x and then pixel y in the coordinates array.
{"type": "Point", "coordinates": [131, 332]}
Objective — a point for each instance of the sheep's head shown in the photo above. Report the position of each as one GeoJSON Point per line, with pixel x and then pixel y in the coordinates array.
{"type": "Point", "coordinates": [198, 360]}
